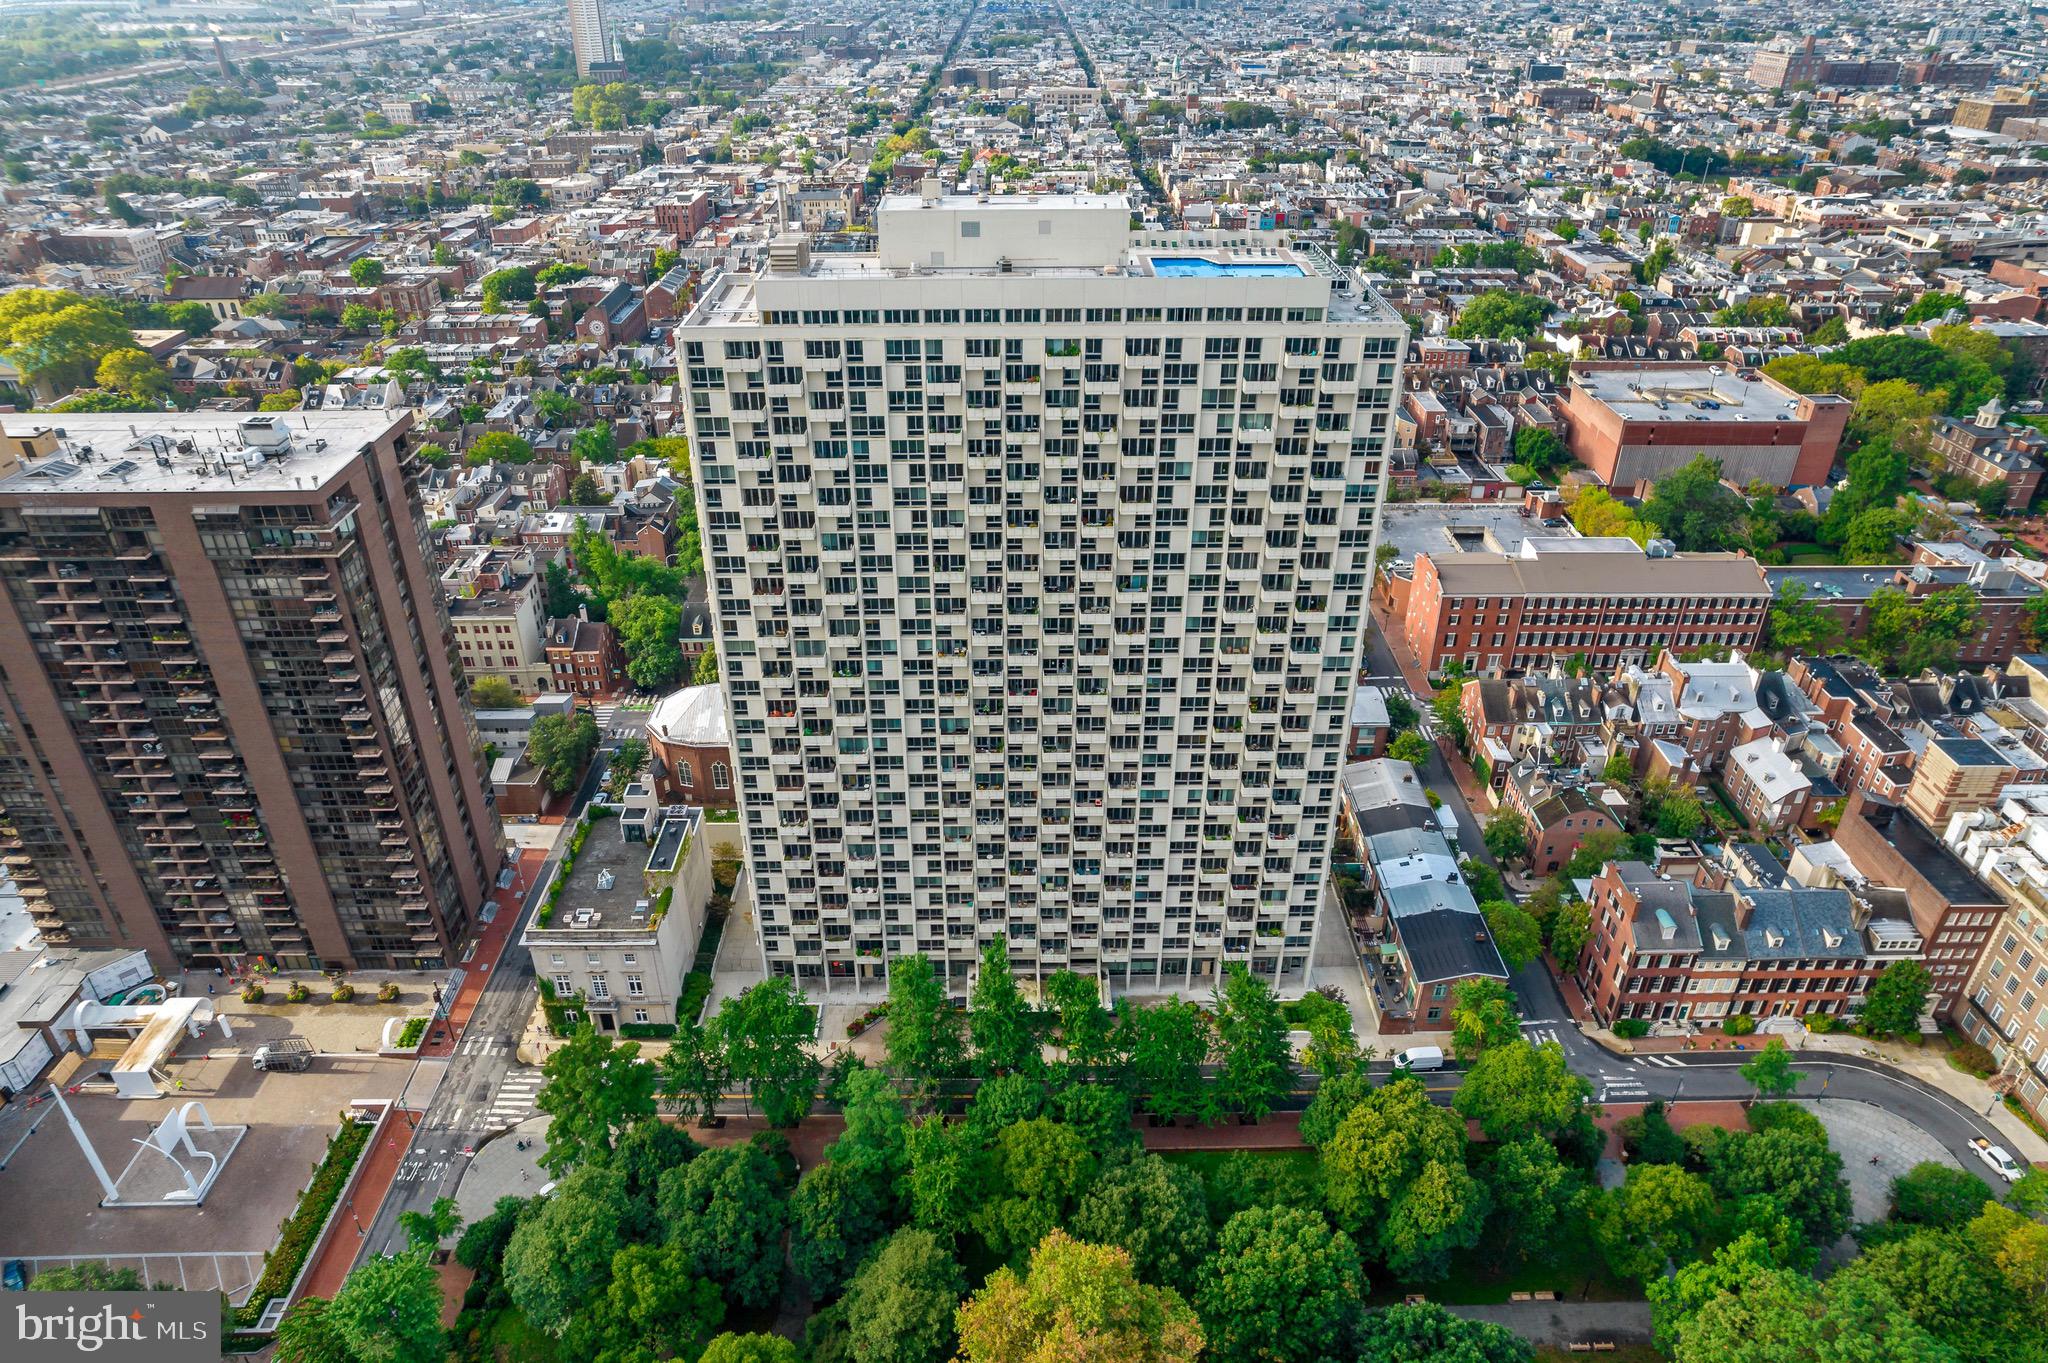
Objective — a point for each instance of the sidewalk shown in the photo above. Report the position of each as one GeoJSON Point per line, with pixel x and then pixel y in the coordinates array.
{"type": "Point", "coordinates": [334, 1258]}
{"type": "Point", "coordinates": [483, 957]}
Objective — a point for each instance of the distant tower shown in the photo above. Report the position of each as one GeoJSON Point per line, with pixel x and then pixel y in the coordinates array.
{"type": "Point", "coordinates": [220, 58]}
{"type": "Point", "coordinates": [587, 35]}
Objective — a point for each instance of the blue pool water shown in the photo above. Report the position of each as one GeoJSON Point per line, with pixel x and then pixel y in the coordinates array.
{"type": "Point", "coordinates": [1198, 267]}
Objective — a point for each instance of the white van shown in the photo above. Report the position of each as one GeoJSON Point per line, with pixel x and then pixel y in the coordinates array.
{"type": "Point", "coordinates": [1418, 1058]}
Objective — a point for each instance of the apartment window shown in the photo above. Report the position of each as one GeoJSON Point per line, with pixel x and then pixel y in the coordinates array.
{"type": "Point", "coordinates": [562, 987]}
{"type": "Point", "coordinates": [639, 1015]}
{"type": "Point", "coordinates": [721, 776]}
{"type": "Point", "coordinates": [598, 988]}
{"type": "Point", "coordinates": [634, 989]}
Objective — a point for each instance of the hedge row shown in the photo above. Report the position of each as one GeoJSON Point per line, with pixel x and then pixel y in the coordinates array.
{"type": "Point", "coordinates": [281, 1266]}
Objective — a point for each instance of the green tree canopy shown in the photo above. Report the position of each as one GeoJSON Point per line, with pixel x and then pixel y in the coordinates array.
{"type": "Point", "coordinates": [1156, 1211]}
{"type": "Point", "coordinates": [899, 1307]}
{"type": "Point", "coordinates": [1251, 1036]}
{"type": "Point", "coordinates": [1518, 1090]}
{"type": "Point", "coordinates": [924, 1043]}
{"type": "Point", "coordinates": [595, 1089]}
{"type": "Point", "coordinates": [1076, 1300]}
{"type": "Point", "coordinates": [1281, 1284]}
{"type": "Point", "coordinates": [726, 1209]}
{"type": "Point", "coordinates": [1498, 313]}
{"type": "Point", "coordinates": [1693, 508]}
{"type": "Point", "coordinates": [765, 1034]}
{"type": "Point", "coordinates": [998, 1019]}
{"type": "Point", "coordinates": [561, 746]}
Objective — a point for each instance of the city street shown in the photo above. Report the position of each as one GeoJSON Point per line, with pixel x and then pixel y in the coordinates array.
{"type": "Point", "coordinates": [483, 1089]}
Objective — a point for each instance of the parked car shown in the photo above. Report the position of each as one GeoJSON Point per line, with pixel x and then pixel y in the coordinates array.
{"type": "Point", "coordinates": [2002, 1163]}
{"type": "Point", "coordinates": [1416, 1059]}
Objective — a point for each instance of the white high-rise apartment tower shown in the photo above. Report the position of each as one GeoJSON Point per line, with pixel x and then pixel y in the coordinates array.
{"type": "Point", "coordinates": [1039, 551]}
{"type": "Point", "coordinates": [587, 35]}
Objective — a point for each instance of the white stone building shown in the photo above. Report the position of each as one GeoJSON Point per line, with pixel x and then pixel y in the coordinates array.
{"type": "Point", "coordinates": [1039, 557]}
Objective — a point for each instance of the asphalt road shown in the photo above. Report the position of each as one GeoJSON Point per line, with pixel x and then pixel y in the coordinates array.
{"type": "Point", "coordinates": [460, 1117]}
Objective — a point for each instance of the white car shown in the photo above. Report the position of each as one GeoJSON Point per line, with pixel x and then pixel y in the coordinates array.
{"type": "Point", "coordinates": [1997, 1157]}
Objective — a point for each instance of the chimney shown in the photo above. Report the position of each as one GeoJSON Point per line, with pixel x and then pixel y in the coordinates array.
{"type": "Point", "coordinates": [1745, 907]}
{"type": "Point", "coordinates": [583, 612]}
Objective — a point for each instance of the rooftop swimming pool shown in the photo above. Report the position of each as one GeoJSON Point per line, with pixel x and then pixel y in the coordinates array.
{"type": "Point", "coordinates": [1201, 267]}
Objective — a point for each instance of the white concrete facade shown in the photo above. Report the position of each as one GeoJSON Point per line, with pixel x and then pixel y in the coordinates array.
{"type": "Point", "coordinates": [1040, 588]}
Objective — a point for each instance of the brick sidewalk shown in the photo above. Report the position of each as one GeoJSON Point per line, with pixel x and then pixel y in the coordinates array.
{"type": "Point", "coordinates": [1730, 1114]}
{"type": "Point", "coordinates": [490, 947]}
{"type": "Point", "coordinates": [335, 1255]}
{"type": "Point", "coordinates": [1279, 1131]}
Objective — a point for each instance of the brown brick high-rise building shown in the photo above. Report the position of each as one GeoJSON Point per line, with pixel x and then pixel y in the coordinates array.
{"type": "Point", "coordinates": [231, 721]}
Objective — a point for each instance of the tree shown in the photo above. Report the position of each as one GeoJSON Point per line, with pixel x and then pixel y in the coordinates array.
{"type": "Point", "coordinates": [498, 447]}
{"type": "Point", "coordinates": [1659, 1214]}
{"type": "Point", "coordinates": [752, 1348]}
{"type": "Point", "coordinates": [1482, 1016]}
{"type": "Point", "coordinates": [652, 1308]}
{"type": "Point", "coordinates": [1518, 1090]}
{"type": "Point", "coordinates": [1802, 627]}
{"type": "Point", "coordinates": [366, 271]}
{"type": "Point", "coordinates": [1423, 1330]}
{"type": "Point", "coordinates": [1410, 747]}
{"type": "Point", "coordinates": [1401, 712]}
{"type": "Point", "coordinates": [1620, 769]}
{"type": "Point", "coordinates": [1790, 1166]}
{"type": "Point", "coordinates": [1036, 1170]}
{"type": "Point", "coordinates": [1873, 536]}
{"type": "Point", "coordinates": [1936, 1194]}
{"type": "Point", "coordinates": [1498, 313]}
{"type": "Point", "coordinates": [558, 1257]}
{"type": "Point", "coordinates": [1571, 930]}
{"type": "Point", "coordinates": [1156, 1211]}
{"type": "Point", "coordinates": [1929, 306]}
{"type": "Point", "coordinates": [647, 627]}
{"type": "Point", "coordinates": [427, 1229]}
{"type": "Point", "coordinates": [941, 1182]}
{"type": "Point", "coordinates": [585, 490]}
{"type": "Point", "coordinates": [694, 1072]}
{"type": "Point", "coordinates": [595, 1089]}
{"type": "Point", "coordinates": [561, 746]}
{"type": "Point", "coordinates": [305, 1334]}
{"type": "Point", "coordinates": [1515, 932]}
{"type": "Point", "coordinates": [1540, 448]}
{"type": "Point", "coordinates": [494, 693]}
{"type": "Point", "coordinates": [837, 1215]}
{"type": "Point", "coordinates": [765, 1034]}
{"type": "Point", "coordinates": [1896, 1000]}
{"type": "Point", "coordinates": [877, 1135]}
{"type": "Point", "coordinates": [606, 106]}
{"type": "Point", "coordinates": [1506, 836]}
{"type": "Point", "coordinates": [1087, 1029]}
{"type": "Point", "coordinates": [1251, 1037]}
{"type": "Point", "coordinates": [1169, 1043]}
{"type": "Point", "coordinates": [389, 1310]}
{"type": "Point", "coordinates": [1533, 1193]}
{"type": "Point", "coordinates": [1281, 1284]}
{"type": "Point", "coordinates": [56, 338]}
{"type": "Point", "coordinates": [596, 445]}
{"type": "Point", "coordinates": [1373, 1166]}
{"type": "Point", "coordinates": [508, 285]}
{"type": "Point", "coordinates": [998, 1019]}
{"type": "Point", "coordinates": [707, 668]}
{"type": "Point", "coordinates": [1693, 508]}
{"type": "Point", "coordinates": [134, 373]}
{"type": "Point", "coordinates": [727, 1209]}
{"type": "Point", "coordinates": [899, 1307]}
{"type": "Point", "coordinates": [1076, 1301]}
{"type": "Point", "coordinates": [1680, 813]}
{"type": "Point", "coordinates": [924, 1044]}
{"type": "Point", "coordinates": [1770, 1071]}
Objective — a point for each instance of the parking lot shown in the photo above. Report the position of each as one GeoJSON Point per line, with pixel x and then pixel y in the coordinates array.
{"type": "Point", "coordinates": [49, 1196]}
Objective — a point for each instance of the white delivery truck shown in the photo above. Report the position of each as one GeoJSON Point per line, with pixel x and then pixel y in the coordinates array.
{"type": "Point", "coordinates": [1417, 1059]}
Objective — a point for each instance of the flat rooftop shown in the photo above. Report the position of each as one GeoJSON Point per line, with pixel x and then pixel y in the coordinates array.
{"type": "Point", "coordinates": [1601, 574]}
{"type": "Point", "coordinates": [1438, 528]}
{"type": "Point", "coordinates": [110, 453]}
{"type": "Point", "coordinates": [607, 881]}
{"type": "Point", "coordinates": [1687, 393]}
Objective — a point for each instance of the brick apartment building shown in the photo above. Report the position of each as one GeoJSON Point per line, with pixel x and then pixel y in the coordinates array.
{"type": "Point", "coordinates": [1606, 599]}
{"type": "Point", "coordinates": [1633, 423]}
{"type": "Point", "coordinates": [1675, 952]}
{"type": "Point", "coordinates": [584, 657]}
{"type": "Point", "coordinates": [1955, 912]}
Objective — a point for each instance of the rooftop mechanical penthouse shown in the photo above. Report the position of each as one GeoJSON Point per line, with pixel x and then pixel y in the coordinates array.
{"type": "Point", "coordinates": [1039, 555]}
